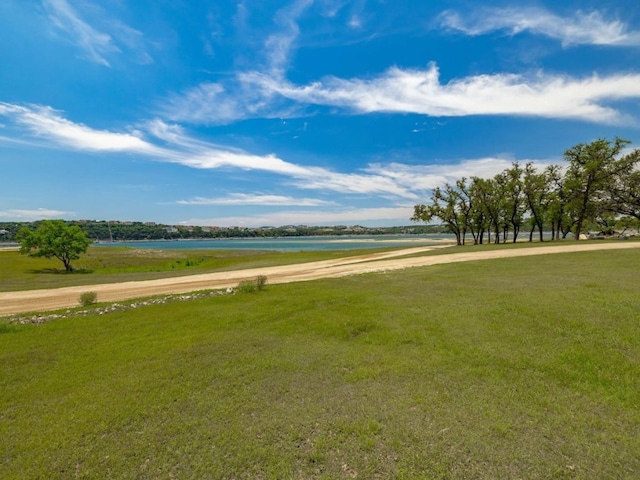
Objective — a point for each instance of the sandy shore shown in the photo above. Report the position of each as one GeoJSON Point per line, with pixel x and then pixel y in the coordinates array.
{"type": "Point", "coordinates": [58, 298]}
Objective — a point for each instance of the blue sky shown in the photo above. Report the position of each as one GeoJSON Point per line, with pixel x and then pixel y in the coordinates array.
{"type": "Point", "coordinates": [317, 112]}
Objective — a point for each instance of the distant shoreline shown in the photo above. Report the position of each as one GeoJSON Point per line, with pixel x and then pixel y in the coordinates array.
{"type": "Point", "coordinates": [294, 243]}
{"type": "Point", "coordinates": [274, 243]}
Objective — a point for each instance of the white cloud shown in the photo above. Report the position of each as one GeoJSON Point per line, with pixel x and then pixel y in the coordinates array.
{"type": "Point", "coordinates": [251, 199]}
{"type": "Point", "coordinates": [169, 143]}
{"type": "Point", "coordinates": [205, 103]}
{"type": "Point", "coordinates": [219, 104]}
{"type": "Point", "coordinates": [352, 183]}
{"type": "Point", "coordinates": [30, 215]}
{"type": "Point", "coordinates": [421, 92]}
{"type": "Point", "coordinates": [421, 178]}
{"type": "Point", "coordinates": [203, 155]}
{"type": "Point", "coordinates": [331, 8]}
{"type": "Point", "coordinates": [96, 43]}
{"type": "Point", "coordinates": [46, 122]}
{"type": "Point", "coordinates": [355, 22]}
{"type": "Point", "coordinates": [184, 150]}
{"type": "Point", "coordinates": [582, 29]}
{"type": "Point", "coordinates": [278, 46]}
{"type": "Point", "coordinates": [226, 102]}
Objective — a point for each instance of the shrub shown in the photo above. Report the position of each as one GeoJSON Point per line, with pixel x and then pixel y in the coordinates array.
{"type": "Point", "coordinates": [247, 286]}
{"type": "Point", "coordinates": [252, 286]}
{"type": "Point", "coordinates": [88, 298]}
{"type": "Point", "coordinates": [261, 282]}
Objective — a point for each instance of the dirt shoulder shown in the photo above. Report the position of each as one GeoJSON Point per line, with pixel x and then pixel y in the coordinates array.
{"type": "Point", "coordinates": [42, 300]}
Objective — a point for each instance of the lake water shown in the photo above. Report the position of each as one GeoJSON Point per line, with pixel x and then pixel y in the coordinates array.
{"type": "Point", "coordinates": [290, 244]}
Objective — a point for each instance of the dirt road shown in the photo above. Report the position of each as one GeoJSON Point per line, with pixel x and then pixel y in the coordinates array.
{"type": "Point", "coordinates": [51, 299]}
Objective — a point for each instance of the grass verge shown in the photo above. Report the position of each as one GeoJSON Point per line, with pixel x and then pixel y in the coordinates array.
{"type": "Point", "coordinates": [514, 368]}
{"type": "Point", "coordinates": [119, 264]}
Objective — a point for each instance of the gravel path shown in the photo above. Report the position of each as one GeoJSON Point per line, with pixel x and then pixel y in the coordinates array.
{"type": "Point", "coordinates": [43, 300]}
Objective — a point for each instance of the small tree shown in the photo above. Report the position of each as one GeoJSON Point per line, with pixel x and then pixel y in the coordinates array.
{"type": "Point", "coordinates": [54, 238]}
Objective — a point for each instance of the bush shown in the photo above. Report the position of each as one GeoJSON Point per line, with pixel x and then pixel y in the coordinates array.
{"type": "Point", "coordinates": [88, 298]}
{"type": "Point", "coordinates": [252, 286]}
{"type": "Point", "coordinates": [261, 282]}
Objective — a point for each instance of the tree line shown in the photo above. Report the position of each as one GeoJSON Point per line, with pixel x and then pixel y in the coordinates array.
{"type": "Point", "coordinates": [105, 231]}
{"type": "Point", "coordinates": [599, 186]}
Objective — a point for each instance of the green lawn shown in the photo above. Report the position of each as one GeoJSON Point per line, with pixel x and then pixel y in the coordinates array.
{"type": "Point", "coordinates": [515, 368]}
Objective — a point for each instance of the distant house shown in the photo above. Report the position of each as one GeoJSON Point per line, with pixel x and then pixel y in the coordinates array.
{"type": "Point", "coordinates": [4, 232]}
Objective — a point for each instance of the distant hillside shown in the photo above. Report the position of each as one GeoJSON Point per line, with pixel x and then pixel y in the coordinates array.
{"type": "Point", "coordinates": [101, 230]}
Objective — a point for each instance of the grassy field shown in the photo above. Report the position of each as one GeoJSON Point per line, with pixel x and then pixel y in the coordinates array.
{"type": "Point", "coordinates": [514, 368]}
{"type": "Point", "coordinates": [119, 264]}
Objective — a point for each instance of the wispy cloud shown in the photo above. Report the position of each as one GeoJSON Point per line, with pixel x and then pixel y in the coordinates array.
{"type": "Point", "coordinates": [160, 141]}
{"type": "Point", "coordinates": [278, 46]}
{"type": "Point", "coordinates": [203, 155]}
{"type": "Point", "coordinates": [97, 44]}
{"type": "Point", "coordinates": [422, 178]}
{"type": "Point", "coordinates": [221, 103]}
{"type": "Point", "coordinates": [265, 92]}
{"type": "Point", "coordinates": [225, 102]}
{"type": "Point", "coordinates": [47, 122]}
{"type": "Point", "coordinates": [252, 199]}
{"type": "Point", "coordinates": [421, 92]}
{"type": "Point", "coordinates": [582, 29]}
{"type": "Point", "coordinates": [37, 214]}
{"type": "Point", "coordinates": [169, 143]}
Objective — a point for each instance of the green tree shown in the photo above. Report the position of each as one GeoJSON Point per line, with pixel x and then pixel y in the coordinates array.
{"type": "Point", "coordinates": [446, 205]}
{"type": "Point", "coordinates": [537, 192]}
{"type": "Point", "coordinates": [488, 194]}
{"type": "Point", "coordinates": [54, 238]}
{"type": "Point", "coordinates": [593, 168]}
{"type": "Point", "coordinates": [624, 194]}
{"type": "Point", "coordinates": [515, 202]}
{"type": "Point", "coordinates": [478, 218]}
{"type": "Point", "coordinates": [556, 214]}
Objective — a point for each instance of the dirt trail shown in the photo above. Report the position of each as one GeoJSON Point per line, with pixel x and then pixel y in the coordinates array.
{"type": "Point", "coordinates": [51, 299]}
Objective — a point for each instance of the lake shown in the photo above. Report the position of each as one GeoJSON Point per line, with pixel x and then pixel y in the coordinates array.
{"type": "Point", "coordinates": [283, 244]}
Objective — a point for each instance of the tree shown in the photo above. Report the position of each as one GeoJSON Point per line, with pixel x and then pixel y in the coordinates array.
{"type": "Point", "coordinates": [54, 238]}
{"type": "Point", "coordinates": [556, 209]}
{"type": "Point", "coordinates": [445, 205]}
{"type": "Point", "coordinates": [600, 183]}
{"type": "Point", "coordinates": [514, 199]}
{"type": "Point", "coordinates": [488, 194]}
{"type": "Point", "coordinates": [593, 168]}
{"type": "Point", "coordinates": [624, 195]}
{"type": "Point", "coordinates": [537, 192]}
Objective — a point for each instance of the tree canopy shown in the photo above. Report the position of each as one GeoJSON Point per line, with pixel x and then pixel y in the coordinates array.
{"type": "Point", "coordinates": [54, 238]}
{"type": "Point", "coordinates": [598, 184]}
